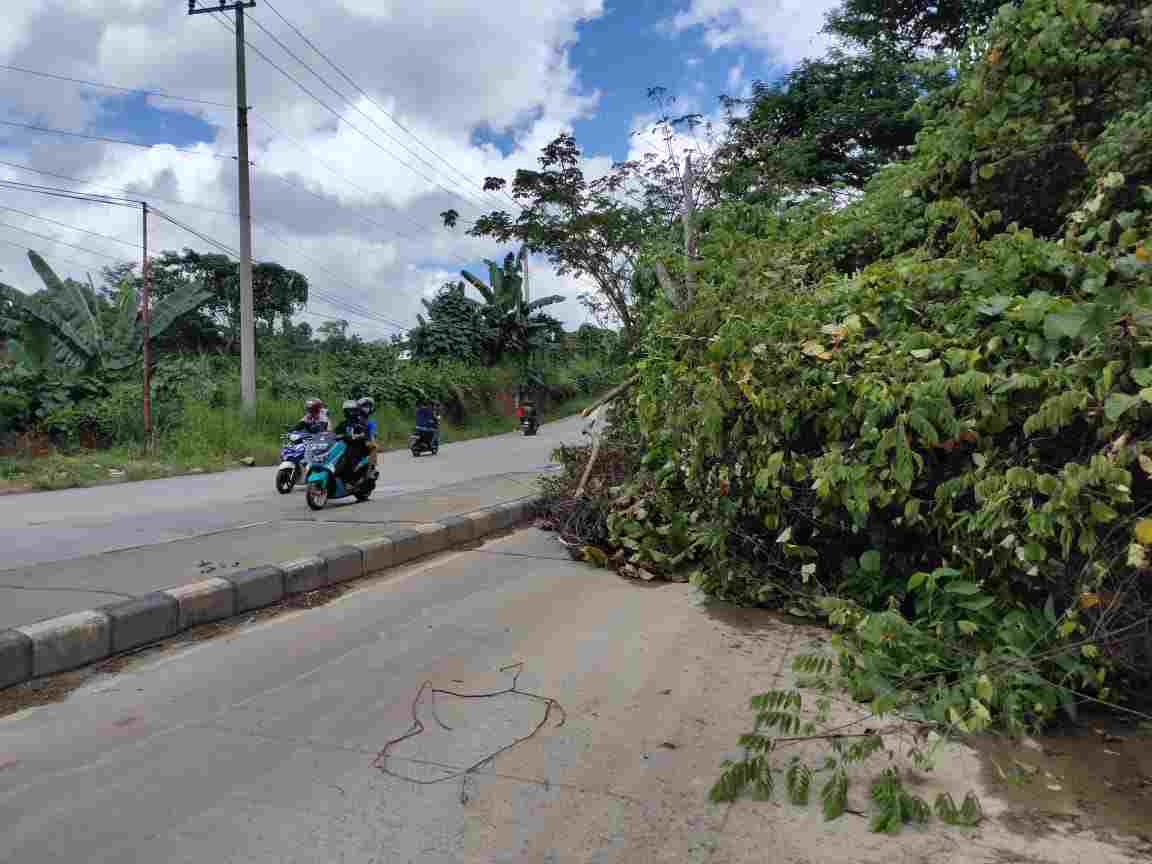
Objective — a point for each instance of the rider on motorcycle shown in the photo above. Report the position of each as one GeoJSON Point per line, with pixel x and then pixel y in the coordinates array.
{"type": "Point", "coordinates": [315, 419]}
{"type": "Point", "coordinates": [354, 429]}
{"type": "Point", "coordinates": [427, 420]}
{"type": "Point", "coordinates": [368, 407]}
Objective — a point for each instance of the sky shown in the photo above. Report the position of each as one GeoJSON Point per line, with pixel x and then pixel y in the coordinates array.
{"type": "Point", "coordinates": [357, 149]}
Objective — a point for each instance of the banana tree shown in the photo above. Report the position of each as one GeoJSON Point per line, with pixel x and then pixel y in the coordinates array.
{"type": "Point", "coordinates": [60, 326]}
{"type": "Point", "coordinates": [517, 326]}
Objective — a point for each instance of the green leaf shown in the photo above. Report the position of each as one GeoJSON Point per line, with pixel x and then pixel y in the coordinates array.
{"type": "Point", "coordinates": [834, 795]}
{"type": "Point", "coordinates": [916, 580]}
{"type": "Point", "coordinates": [1067, 323]}
{"type": "Point", "coordinates": [967, 627]}
{"type": "Point", "coordinates": [982, 602]}
{"type": "Point", "coordinates": [1118, 403]}
{"type": "Point", "coordinates": [870, 561]}
{"type": "Point", "coordinates": [966, 588]}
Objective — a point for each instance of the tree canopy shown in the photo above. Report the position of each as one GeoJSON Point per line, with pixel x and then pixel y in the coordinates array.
{"type": "Point", "coordinates": [583, 227]}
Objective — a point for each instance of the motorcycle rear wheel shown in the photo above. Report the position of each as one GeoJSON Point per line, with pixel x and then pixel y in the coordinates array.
{"type": "Point", "coordinates": [285, 480]}
{"type": "Point", "coordinates": [317, 495]}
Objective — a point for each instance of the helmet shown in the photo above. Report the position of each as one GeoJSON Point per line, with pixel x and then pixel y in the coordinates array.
{"type": "Point", "coordinates": [367, 405]}
{"type": "Point", "coordinates": [313, 406]}
{"type": "Point", "coordinates": [352, 409]}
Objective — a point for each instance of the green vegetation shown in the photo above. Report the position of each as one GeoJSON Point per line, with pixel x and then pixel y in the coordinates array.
{"type": "Point", "coordinates": [70, 385]}
{"type": "Point", "coordinates": [921, 413]}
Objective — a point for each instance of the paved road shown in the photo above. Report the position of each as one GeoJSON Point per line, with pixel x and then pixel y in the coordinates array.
{"type": "Point", "coordinates": [257, 747]}
{"type": "Point", "coordinates": [74, 549]}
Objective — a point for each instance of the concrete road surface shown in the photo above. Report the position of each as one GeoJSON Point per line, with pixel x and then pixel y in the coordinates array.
{"type": "Point", "coordinates": [259, 746]}
{"type": "Point", "coordinates": [75, 549]}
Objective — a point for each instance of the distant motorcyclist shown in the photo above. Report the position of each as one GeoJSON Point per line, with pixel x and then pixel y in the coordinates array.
{"type": "Point", "coordinates": [354, 429]}
{"type": "Point", "coordinates": [315, 419]}
{"type": "Point", "coordinates": [527, 411]}
{"type": "Point", "coordinates": [368, 408]}
{"type": "Point", "coordinates": [428, 420]}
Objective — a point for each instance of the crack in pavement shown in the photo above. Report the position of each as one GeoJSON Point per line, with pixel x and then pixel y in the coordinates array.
{"type": "Point", "coordinates": [314, 744]}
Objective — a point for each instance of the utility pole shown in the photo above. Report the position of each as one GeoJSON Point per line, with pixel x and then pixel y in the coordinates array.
{"type": "Point", "coordinates": [146, 315]}
{"type": "Point", "coordinates": [247, 316]}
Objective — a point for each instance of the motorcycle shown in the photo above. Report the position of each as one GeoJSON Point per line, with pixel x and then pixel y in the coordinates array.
{"type": "Point", "coordinates": [323, 457]}
{"type": "Point", "coordinates": [529, 425]}
{"type": "Point", "coordinates": [292, 461]}
{"type": "Point", "coordinates": [423, 441]}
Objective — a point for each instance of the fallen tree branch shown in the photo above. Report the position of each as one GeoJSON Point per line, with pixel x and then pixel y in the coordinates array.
{"type": "Point", "coordinates": [612, 394]}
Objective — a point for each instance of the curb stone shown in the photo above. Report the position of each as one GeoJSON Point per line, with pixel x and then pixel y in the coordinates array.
{"type": "Point", "coordinates": [81, 638]}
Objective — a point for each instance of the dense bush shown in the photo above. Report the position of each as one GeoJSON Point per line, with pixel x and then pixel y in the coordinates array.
{"type": "Point", "coordinates": [926, 415]}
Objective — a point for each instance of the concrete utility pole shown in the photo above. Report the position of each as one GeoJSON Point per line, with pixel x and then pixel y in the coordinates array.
{"type": "Point", "coordinates": [247, 316]}
{"type": "Point", "coordinates": [146, 315]}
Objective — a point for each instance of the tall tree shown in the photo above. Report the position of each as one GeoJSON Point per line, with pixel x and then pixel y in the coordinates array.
{"type": "Point", "coordinates": [582, 226]}
{"type": "Point", "coordinates": [277, 292]}
{"type": "Point", "coordinates": [829, 124]}
{"type": "Point", "coordinates": [515, 325]}
{"type": "Point", "coordinates": [454, 328]}
{"type": "Point", "coordinates": [912, 26]}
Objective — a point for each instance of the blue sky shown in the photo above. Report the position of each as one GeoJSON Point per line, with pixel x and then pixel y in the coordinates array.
{"type": "Point", "coordinates": [619, 55]}
{"type": "Point", "coordinates": [368, 233]}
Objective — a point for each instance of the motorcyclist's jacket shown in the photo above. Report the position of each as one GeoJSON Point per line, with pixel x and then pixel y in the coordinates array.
{"type": "Point", "coordinates": [426, 418]}
{"type": "Point", "coordinates": [311, 424]}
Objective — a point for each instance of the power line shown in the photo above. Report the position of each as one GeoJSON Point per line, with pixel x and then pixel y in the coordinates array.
{"type": "Point", "coordinates": [331, 299]}
{"type": "Point", "coordinates": [372, 101]}
{"type": "Point", "coordinates": [71, 227]}
{"type": "Point", "coordinates": [62, 193]}
{"type": "Point", "coordinates": [204, 237]}
{"type": "Point", "coordinates": [51, 239]}
{"type": "Point", "coordinates": [300, 187]}
{"type": "Point", "coordinates": [160, 94]}
{"type": "Point", "coordinates": [328, 165]}
{"type": "Point", "coordinates": [332, 110]}
{"type": "Point", "coordinates": [46, 130]}
{"type": "Point", "coordinates": [23, 247]}
{"type": "Point", "coordinates": [361, 112]}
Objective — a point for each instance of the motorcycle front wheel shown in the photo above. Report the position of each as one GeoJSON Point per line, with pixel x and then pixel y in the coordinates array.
{"type": "Point", "coordinates": [285, 480]}
{"type": "Point", "coordinates": [317, 495]}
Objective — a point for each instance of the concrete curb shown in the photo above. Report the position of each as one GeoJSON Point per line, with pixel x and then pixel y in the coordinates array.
{"type": "Point", "coordinates": [81, 638]}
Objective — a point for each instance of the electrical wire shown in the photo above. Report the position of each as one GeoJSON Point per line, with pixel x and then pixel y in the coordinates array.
{"type": "Point", "coordinates": [367, 117]}
{"type": "Point", "coordinates": [71, 227]}
{"type": "Point", "coordinates": [373, 102]}
{"type": "Point", "coordinates": [52, 239]}
{"type": "Point", "coordinates": [23, 247]}
{"type": "Point", "coordinates": [304, 88]}
{"type": "Point", "coordinates": [347, 306]}
{"type": "Point", "coordinates": [160, 94]}
{"type": "Point", "coordinates": [47, 130]}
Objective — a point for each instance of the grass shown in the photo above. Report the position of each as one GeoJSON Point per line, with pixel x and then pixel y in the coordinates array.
{"type": "Point", "coordinates": [211, 439]}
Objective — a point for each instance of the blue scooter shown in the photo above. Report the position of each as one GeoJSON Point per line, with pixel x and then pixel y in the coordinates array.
{"type": "Point", "coordinates": [323, 456]}
{"type": "Point", "coordinates": [291, 461]}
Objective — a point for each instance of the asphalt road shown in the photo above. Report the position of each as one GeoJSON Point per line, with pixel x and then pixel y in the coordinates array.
{"type": "Point", "coordinates": [258, 746]}
{"type": "Point", "coordinates": [75, 549]}
{"type": "Point", "coordinates": [261, 745]}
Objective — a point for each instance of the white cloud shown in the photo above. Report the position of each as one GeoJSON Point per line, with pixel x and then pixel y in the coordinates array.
{"type": "Point", "coordinates": [786, 30]}
{"type": "Point", "coordinates": [331, 205]}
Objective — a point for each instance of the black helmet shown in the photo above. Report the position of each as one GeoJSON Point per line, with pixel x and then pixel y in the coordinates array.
{"type": "Point", "coordinates": [351, 409]}
{"type": "Point", "coordinates": [367, 405]}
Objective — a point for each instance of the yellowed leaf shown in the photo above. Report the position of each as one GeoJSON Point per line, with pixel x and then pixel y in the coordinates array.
{"type": "Point", "coordinates": [1146, 463]}
{"type": "Point", "coordinates": [1144, 253]}
{"type": "Point", "coordinates": [1143, 531]}
{"type": "Point", "coordinates": [836, 331]}
{"type": "Point", "coordinates": [1088, 600]}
